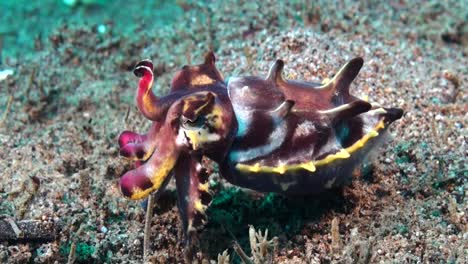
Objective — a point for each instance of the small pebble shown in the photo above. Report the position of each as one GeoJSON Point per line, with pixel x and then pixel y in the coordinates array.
{"type": "Point", "coordinates": [103, 229]}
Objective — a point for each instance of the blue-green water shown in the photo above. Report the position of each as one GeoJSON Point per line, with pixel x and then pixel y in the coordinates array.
{"type": "Point", "coordinates": [24, 23]}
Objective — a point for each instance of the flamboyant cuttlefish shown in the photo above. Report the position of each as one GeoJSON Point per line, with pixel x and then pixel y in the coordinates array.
{"type": "Point", "coordinates": [267, 134]}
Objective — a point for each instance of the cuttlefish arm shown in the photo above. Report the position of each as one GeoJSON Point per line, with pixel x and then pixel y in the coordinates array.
{"type": "Point", "coordinates": [153, 174]}
{"type": "Point", "coordinates": [139, 147]}
{"type": "Point", "coordinates": [193, 192]}
{"type": "Point", "coordinates": [169, 143]}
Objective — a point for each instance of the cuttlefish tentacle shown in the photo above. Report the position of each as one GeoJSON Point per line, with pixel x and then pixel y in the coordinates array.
{"type": "Point", "coordinates": [193, 191]}
{"type": "Point", "coordinates": [148, 103]}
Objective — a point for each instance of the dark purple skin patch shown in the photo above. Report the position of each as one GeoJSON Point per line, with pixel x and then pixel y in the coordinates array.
{"type": "Point", "coordinates": [132, 181]}
{"type": "Point", "coordinates": [266, 133]}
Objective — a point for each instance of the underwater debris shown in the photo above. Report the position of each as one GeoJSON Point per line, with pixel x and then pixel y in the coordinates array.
{"type": "Point", "coordinates": [457, 218]}
{"type": "Point", "coordinates": [455, 80]}
{"type": "Point", "coordinates": [262, 249]}
{"type": "Point", "coordinates": [27, 230]}
{"type": "Point", "coordinates": [336, 243]}
{"type": "Point", "coordinates": [224, 258]}
{"type": "Point", "coordinates": [7, 110]}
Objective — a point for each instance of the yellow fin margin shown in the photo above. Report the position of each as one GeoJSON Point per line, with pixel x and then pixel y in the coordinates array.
{"type": "Point", "coordinates": [311, 165]}
{"type": "Point", "coordinates": [199, 206]}
{"type": "Point", "coordinates": [204, 187]}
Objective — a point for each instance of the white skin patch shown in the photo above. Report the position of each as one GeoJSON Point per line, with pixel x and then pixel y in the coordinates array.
{"type": "Point", "coordinates": [304, 129]}
{"type": "Point", "coordinates": [330, 183]}
{"type": "Point", "coordinates": [200, 137]}
{"type": "Point", "coordinates": [181, 140]}
{"type": "Point", "coordinates": [244, 119]}
{"type": "Point", "coordinates": [275, 140]}
{"type": "Point", "coordinates": [369, 121]}
{"type": "Point", "coordinates": [213, 137]}
{"type": "Point", "coordinates": [285, 185]}
{"type": "Point", "coordinates": [243, 115]}
{"type": "Point", "coordinates": [148, 169]}
{"type": "Point", "coordinates": [245, 91]}
{"type": "Point", "coordinates": [378, 111]}
{"type": "Point", "coordinates": [331, 146]}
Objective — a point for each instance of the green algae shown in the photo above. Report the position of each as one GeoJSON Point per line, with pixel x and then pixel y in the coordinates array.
{"type": "Point", "coordinates": [233, 210]}
{"type": "Point", "coordinates": [402, 151]}
{"type": "Point", "coordinates": [83, 251]}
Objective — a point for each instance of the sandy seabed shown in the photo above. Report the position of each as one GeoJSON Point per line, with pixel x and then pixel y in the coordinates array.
{"type": "Point", "coordinates": [71, 93]}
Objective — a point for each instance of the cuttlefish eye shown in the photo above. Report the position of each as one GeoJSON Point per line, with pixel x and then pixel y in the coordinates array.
{"type": "Point", "coordinates": [187, 123]}
{"type": "Point", "coordinates": [198, 132]}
